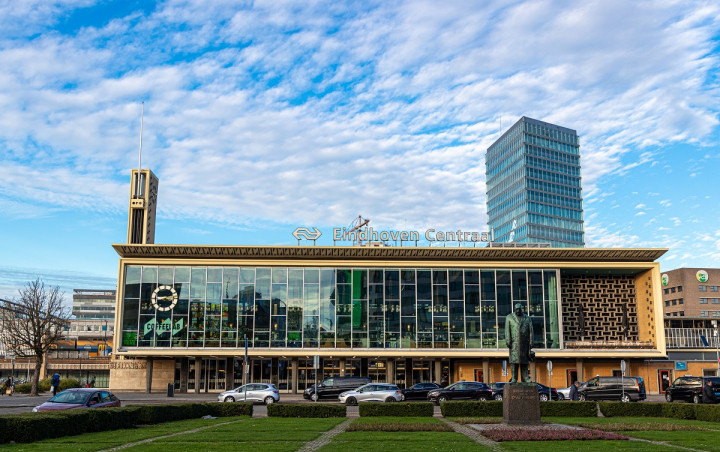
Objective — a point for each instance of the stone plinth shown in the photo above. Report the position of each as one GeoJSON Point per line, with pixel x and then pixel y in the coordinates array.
{"type": "Point", "coordinates": [521, 404]}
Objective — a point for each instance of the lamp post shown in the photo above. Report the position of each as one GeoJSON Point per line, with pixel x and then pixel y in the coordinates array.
{"type": "Point", "coordinates": [717, 344]}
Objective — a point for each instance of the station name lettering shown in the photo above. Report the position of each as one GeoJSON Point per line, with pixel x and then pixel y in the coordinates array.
{"type": "Point", "coordinates": [128, 364]}
{"type": "Point", "coordinates": [431, 235]}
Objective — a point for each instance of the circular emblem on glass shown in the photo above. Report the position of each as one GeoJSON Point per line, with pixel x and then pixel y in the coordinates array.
{"type": "Point", "coordinates": [665, 279]}
{"type": "Point", "coordinates": [702, 276]}
{"type": "Point", "coordinates": [164, 298]}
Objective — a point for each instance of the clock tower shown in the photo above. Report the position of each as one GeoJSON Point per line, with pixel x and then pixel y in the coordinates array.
{"type": "Point", "coordinates": [143, 200]}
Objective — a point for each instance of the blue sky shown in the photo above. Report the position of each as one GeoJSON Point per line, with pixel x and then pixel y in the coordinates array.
{"type": "Point", "coordinates": [261, 116]}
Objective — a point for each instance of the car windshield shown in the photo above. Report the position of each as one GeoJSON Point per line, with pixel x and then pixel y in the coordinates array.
{"type": "Point", "coordinates": [75, 397]}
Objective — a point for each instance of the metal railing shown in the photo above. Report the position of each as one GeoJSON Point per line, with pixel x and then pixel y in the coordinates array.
{"type": "Point", "coordinates": [690, 337]}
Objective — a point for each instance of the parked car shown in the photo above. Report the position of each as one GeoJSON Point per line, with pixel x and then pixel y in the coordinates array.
{"type": "Point", "coordinates": [419, 391]}
{"type": "Point", "coordinates": [690, 388]}
{"type": "Point", "coordinates": [266, 393]}
{"type": "Point", "coordinates": [461, 390]}
{"type": "Point", "coordinates": [80, 398]}
{"type": "Point", "coordinates": [373, 392]}
{"type": "Point", "coordinates": [625, 389]}
{"type": "Point", "coordinates": [332, 387]}
{"type": "Point", "coordinates": [498, 390]}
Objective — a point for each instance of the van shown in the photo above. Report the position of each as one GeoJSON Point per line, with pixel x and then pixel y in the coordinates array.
{"type": "Point", "coordinates": [690, 388]}
{"type": "Point", "coordinates": [333, 386]}
{"type": "Point", "coordinates": [625, 389]}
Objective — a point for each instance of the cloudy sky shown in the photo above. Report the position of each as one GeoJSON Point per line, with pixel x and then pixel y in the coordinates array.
{"type": "Point", "coordinates": [261, 116]}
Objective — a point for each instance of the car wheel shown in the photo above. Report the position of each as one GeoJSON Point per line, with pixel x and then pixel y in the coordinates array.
{"type": "Point", "coordinates": [351, 401]}
{"type": "Point", "coordinates": [229, 399]}
{"type": "Point", "coordinates": [668, 397]}
{"type": "Point", "coordinates": [390, 399]}
{"type": "Point", "coordinates": [269, 400]}
{"type": "Point", "coordinates": [581, 397]}
{"type": "Point", "coordinates": [482, 398]}
{"type": "Point", "coordinates": [314, 397]}
{"type": "Point", "coordinates": [625, 398]}
{"type": "Point", "coordinates": [696, 398]}
{"type": "Point", "coordinates": [498, 397]}
{"type": "Point", "coordinates": [543, 397]}
{"type": "Point", "coordinates": [561, 397]}
{"type": "Point", "coordinates": [442, 398]}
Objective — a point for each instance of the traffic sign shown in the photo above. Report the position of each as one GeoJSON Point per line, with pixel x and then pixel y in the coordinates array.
{"type": "Point", "coordinates": [549, 366]}
{"type": "Point", "coordinates": [622, 366]}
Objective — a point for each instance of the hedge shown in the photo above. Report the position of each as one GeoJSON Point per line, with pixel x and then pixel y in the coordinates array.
{"type": "Point", "coordinates": [29, 427]}
{"type": "Point", "coordinates": [67, 383]}
{"type": "Point", "coordinates": [490, 408]}
{"type": "Point", "coordinates": [612, 409]}
{"type": "Point", "coordinates": [678, 410]}
{"type": "Point", "coordinates": [400, 409]}
{"type": "Point", "coordinates": [710, 413]}
{"type": "Point", "coordinates": [306, 410]}
{"type": "Point", "coordinates": [568, 409]}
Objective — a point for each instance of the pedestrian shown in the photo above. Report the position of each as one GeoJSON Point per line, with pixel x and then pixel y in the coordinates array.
{"type": "Point", "coordinates": [54, 383]}
{"type": "Point", "coordinates": [92, 381]}
{"type": "Point", "coordinates": [9, 386]}
{"type": "Point", "coordinates": [708, 395]}
{"type": "Point", "coordinates": [574, 396]}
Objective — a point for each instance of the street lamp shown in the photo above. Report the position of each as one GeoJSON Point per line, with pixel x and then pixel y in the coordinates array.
{"type": "Point", "coordinates": [717, 344]}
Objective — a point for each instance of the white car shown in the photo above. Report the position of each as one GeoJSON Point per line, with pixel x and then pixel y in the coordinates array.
{"type": "Point", "coordinates": [252, 392]}
{"type": "Point", "coordinates": [373, 392]}
{"type": "Point", "coordinates": [564, 393]}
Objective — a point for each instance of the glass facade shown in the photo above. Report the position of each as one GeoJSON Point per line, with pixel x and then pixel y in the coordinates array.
{"type": "Point", "coordinates": [534, 192]}
{"type": "Point", "coordinates": [364, 308]}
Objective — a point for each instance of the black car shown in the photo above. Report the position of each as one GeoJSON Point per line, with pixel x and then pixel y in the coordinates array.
{"type": "Point", "coordinates": [332, 387]}
{"type": "Point", "coordinates": [462, 390]}
{"type": "Point", "coordinates": [419, 391]}
{"type": "Point", "coordinates": [690, 388]}
{"type": "Point", "coordinates": [497, 392]}
{"type": "Point", "coordinates": [625, 389]}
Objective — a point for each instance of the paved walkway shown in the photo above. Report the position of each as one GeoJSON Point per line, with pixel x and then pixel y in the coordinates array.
{"type": "Point", "coordinates": [326, 437]}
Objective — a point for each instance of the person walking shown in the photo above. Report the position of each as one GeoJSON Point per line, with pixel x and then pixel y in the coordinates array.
{"type": "Point", "coordinates": [9, 386]}
{"type": "Point", "coordinates": [54, 383]}
{"type": "Point", "coordinates": [574, 396]}
{"type": "Point", "coordinates": [708, 395]}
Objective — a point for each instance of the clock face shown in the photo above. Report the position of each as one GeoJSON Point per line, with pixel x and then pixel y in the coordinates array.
{"type": "Point", "coordinates": [164, 298]}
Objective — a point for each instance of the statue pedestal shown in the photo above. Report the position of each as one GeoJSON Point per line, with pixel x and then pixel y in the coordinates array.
{"type": "Point", "coordinates": [521, 404]}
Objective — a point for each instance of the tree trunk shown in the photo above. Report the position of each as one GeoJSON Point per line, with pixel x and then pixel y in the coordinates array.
{"type": "Point", "coordinates": [36, 375]}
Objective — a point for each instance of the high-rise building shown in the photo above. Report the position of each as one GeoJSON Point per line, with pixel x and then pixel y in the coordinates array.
{"type": "Point", "coordinates": [534, 192]}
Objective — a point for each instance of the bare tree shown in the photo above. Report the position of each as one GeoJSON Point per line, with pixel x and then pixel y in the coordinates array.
{"type": "Point", "coordinates": [33, 323]}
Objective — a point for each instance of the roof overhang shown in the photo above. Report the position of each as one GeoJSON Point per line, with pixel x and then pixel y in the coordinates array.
{"type": "Point", "coordinates": [391, 253]}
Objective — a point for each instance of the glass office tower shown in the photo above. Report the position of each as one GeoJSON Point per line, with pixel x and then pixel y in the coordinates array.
{"type": "Point", "coordinates": [534, 192]}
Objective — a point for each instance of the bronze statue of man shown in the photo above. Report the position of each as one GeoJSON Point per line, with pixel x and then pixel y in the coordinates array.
{"type": "Point", "coordinates": [518, 335]}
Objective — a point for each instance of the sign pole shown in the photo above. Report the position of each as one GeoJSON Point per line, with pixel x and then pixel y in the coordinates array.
{"type": "Point", "coordinates": [622, 377]}
{"type": "Point", "coordinates": [549, 368]}
{"type": "Point", "coordinates": [246, 368]}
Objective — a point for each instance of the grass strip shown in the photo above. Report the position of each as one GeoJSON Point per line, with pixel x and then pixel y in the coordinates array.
{"type": "Point", "coordinates": [476, 420]}
{"type": "Point", "coordinates": [399, 427]}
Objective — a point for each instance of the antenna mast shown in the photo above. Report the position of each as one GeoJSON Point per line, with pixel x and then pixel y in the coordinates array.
{"type": "Point", "coordinates": [142, 114]}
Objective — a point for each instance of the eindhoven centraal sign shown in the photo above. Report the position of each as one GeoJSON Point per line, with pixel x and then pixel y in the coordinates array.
{"type": "Point", "coordinates": [371, 235]}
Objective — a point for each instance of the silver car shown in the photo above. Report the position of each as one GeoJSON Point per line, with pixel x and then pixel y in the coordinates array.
{"type": "Point", "coordinates": [373, 392]}
{"type": "Point", "coordinates": [252, 392]}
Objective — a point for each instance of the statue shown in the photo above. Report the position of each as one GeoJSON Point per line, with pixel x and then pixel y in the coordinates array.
{"type": "Point", "coordinates": [519, 335]}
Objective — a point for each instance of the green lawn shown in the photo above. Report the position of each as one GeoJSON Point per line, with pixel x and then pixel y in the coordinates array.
{"type": "Point", "coordinates": [402, 442]}
{"type": "Point", "coordinates": [238, 434]}
{"type": "Point", "coordinates": [290, 434]}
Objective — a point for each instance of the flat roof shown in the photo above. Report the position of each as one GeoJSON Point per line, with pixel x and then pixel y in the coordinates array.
{"type": "Point", "coordinates": [391, 253]}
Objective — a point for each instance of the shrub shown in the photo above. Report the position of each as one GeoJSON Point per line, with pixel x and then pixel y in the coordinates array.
{"type": "Point", "coordinates": [568, 409]}
{"type": "Point", "coordinates": [220, 409]}
{"type": "Point", "coordinates": [397, 409]}
{"type": "Point", "coordinates": [710, 413]}
{"type": "Point", "coordinates": [611, 409]}
{"type": "Point", "coordinates": [44, 385]}
{"type": "Point", "coordinates": [29, 427]}
{"type": "Point", "coordinates": [306, 410]}
{"type": "Point", "coordinates": [472, 409]}
{"type": "Point", "coordinates": [678, 410]}
{"type": "Point", "coordinates": [67, 383]}
{"type": "Point", "coordinates": [23, 388]}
